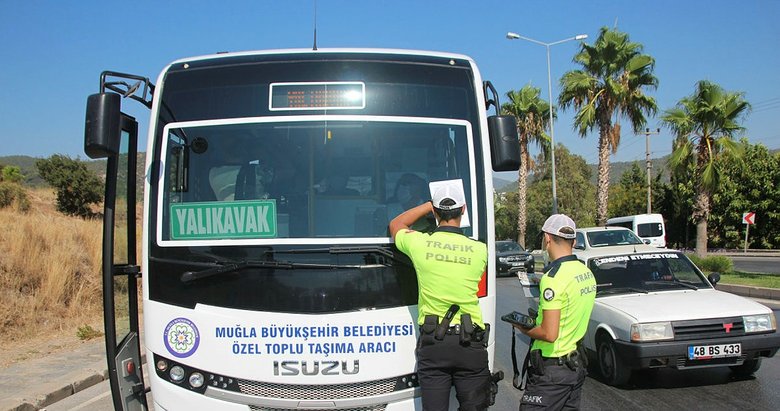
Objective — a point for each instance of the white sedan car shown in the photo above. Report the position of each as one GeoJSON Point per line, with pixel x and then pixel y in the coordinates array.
{"type": "Point", "coordinates": [654, 308]}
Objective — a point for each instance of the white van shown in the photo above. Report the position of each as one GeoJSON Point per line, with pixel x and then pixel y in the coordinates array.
{"type": "Point", "coordinates": [646, 226]}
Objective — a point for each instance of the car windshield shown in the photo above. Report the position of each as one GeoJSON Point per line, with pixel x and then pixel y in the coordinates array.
{"type": "Point", "coordinates": [612, 237]}
{"type": "Point", "coordinates": [508, 246]}
{"type": "Point", "coordinates": [631, 273]}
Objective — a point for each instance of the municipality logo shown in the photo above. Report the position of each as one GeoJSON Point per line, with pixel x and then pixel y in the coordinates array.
{"type": "Point", "coordinates": [181, 337]}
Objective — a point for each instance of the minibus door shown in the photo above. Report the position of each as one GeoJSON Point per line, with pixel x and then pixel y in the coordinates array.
{"type": "Point", "coordinates": [113, 135]}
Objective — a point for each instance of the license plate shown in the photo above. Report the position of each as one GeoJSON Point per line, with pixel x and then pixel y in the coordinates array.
{"type": "Point", "coordinates": [516, 263]}
{"type": "Point", "coordinates": [706, 352]}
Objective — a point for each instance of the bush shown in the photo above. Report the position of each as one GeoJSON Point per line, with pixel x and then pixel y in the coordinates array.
{"type": "Point", "coordinates": [77, 187]}
{"type": "Point", "coordinates": [714, 263]}
{"type": "Point", "coordinates": [12, 194]}
{"type": "Point", "coordinates": [86, 332]}
{"type": "Point", "coordinates": [11, 174]}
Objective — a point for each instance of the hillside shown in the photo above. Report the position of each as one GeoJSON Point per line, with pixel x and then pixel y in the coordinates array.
{"type": "Point", "coordinates": [616, 169]}
{"type": "Point", "coordinates": [34, 180]}
{"type": "Point", "coordinates": [50, 280]}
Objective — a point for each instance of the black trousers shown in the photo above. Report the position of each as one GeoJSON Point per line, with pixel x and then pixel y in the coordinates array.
{"type": "Point", "coordinates": [560, 388]}
{"type": "Point", "coordinates": [442, 364]}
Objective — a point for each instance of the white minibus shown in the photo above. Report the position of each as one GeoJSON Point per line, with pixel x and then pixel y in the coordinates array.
{"type": "Point", "coordinates": [649, 227]}
{"type": "Point", "coordinates": [269, 279]}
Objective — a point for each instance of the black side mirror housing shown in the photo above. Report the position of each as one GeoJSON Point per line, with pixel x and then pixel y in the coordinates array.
{"type": "Point", "coordinates": [504, 147]}
{"type": "Point", "coordinates": [714, 278]}
{"type": "Point", "coordinates": [102, 125]}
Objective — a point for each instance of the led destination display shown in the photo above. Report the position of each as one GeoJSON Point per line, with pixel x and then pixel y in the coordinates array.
{"type": "Point", "coordinates": [307, 96]}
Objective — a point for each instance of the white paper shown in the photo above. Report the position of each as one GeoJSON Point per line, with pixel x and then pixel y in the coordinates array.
{"type": "Point", "coordinates": [457, 185]}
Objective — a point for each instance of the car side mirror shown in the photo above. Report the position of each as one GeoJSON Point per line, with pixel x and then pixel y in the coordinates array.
{"type": "Point", "coordinates": [579, 246]}
{"type": "Point", "coordinates": [714, 278]}
{"type": "Point", "coordinates": [646, 242]}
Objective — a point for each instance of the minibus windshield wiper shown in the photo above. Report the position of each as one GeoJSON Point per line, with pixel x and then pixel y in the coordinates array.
{"type": "Point", "coordinates": [230, 267]}
{"type": "Point", "coordinates": [371, 249]}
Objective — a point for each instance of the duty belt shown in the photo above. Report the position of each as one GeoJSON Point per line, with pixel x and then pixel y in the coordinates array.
{"type": "Point", "coordinates": [455, 329]}
{"type": "Point", "coordinates": [555, 360]}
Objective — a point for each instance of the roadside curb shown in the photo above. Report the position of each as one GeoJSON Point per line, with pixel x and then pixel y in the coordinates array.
{"type": "Point", "coordinates": [34, 385]}
{"type": "Point", "coordinates": [750, 291]}
{"type": "Point", "coordinates": [55, 394]}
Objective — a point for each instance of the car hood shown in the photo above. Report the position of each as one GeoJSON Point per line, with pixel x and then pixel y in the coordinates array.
{"type": "Point", "coordinates": [679, 305]}
{"type": "Point", "coordinates": [508, 253]}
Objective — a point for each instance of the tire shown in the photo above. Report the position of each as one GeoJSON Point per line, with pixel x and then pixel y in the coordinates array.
{"type": "Point", "coordinates": [747, 368]}
{"type": "Point", "coordinates": [610, 365]}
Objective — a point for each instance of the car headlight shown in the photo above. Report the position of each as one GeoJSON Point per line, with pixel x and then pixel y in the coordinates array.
{"type": "Point", "coordinates": [652, 332]}
{"type": "Point", "coordinates": [759, 323]}
{"type": "Point", "coordinates": [503, 259]}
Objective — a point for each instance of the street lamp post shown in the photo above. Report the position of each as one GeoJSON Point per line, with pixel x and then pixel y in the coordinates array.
{"type": "Point", "coordinates": [515, 36]}
{"type": "Point", "coordinates": [649, 164]}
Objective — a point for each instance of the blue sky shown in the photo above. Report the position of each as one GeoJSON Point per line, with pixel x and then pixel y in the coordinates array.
{"type": "Point", "coordinates": [53, 52]}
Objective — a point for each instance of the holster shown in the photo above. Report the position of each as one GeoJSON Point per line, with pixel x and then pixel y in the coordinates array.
{"type": "Point", "coordinates": [493, 386]}
{"type": "Point", "coordinates": [430, 324]}
{"type": "Point", "coordinates": [582, 353]}
{"type": "Point", "coordinates": [466, 329]}
{"type": "Point", "coordinates": [481, 335]}
{"type": "Point", "coordinates": [577, 358]}
{"type": "Point", "coordinates": [536, 363]}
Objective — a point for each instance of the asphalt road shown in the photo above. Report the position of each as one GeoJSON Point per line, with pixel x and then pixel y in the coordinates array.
{"type": "Point", "coordinates": [751, 264]}
{"type": "Point", "coordinates": [667, 389]}
{"type": "Point", "coordinates": [711, 389]}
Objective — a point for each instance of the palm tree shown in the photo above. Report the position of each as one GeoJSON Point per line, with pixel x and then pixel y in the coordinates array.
{"type": "Point", "coordinates": [705, 124]}
{"type": "Point", "coordinates": [533, 116]}
{"type": "Point", "coordinates": [609, 87]}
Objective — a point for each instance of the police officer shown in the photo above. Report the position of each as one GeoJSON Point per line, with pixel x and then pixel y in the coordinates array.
{"type": "Point", "coordinates": [451, 348]}
{"type": "Point", "coordinates": [568, 290]}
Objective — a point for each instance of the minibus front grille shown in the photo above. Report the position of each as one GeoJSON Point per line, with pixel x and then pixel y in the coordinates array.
{"type": "Point", "coordinates": [380, 407]}
{"type": "Point", "coordinates": [319, 391]}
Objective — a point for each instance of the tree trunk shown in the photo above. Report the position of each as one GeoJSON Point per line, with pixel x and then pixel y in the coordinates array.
{"type": "Point", "coordinates": [701, 206]}
{"type": "Point", "coordinates": [521, 192]}
{"type": "Point", "coordinates": [701, 211]}
{"type": "Point", "coordinates": [602, 188]}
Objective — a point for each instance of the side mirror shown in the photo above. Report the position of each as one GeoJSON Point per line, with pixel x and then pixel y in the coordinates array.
{"type": "Point", "coordinates": [579, 246]}
{"type": "Point", "coordinates": [504, 147]}
{"type": "Point", "coordinates": [646, 242]}
{"type": "Point", "coordinates": [714, 278]}
{"type": "Point", "coordinates": [102, 125]}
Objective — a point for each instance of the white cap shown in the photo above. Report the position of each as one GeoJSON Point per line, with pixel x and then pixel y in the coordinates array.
{"type": "Point", "coordinates": [560, 225]}
{"type": "Point", "coordinates": [445, 192]}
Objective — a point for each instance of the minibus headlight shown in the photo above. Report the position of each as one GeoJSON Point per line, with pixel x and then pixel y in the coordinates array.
{"type": "Point", "coordinates": [196, 380]}
{"type": "Point", "coordinates": [176, 373]}
{"type": "Point", "coordinates": [162, 365]}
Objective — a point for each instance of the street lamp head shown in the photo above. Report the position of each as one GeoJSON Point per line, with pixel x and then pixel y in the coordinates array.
{"type": "Point", "coordinates": [580, 37]}
{"type": "Point", "coordinates": [512, 36]}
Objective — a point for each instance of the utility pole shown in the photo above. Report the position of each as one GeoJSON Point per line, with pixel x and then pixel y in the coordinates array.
{"type": "Point", "coordinates": [649, 165]}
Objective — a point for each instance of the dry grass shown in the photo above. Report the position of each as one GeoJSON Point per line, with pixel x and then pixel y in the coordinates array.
{"type": "Point", "coordinates": [49, 271]}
